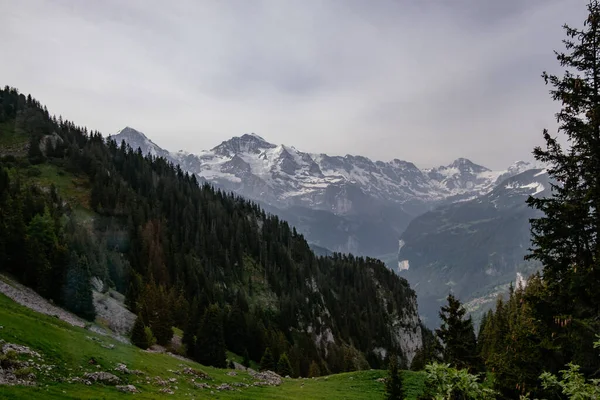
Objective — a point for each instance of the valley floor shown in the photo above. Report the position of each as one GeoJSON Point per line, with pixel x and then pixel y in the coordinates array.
{"type": "Point", "coordinates": [67, 352]}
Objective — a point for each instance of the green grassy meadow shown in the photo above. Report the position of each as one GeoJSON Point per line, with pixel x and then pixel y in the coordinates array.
{"type": "Point", "coordinates": [69, 349]}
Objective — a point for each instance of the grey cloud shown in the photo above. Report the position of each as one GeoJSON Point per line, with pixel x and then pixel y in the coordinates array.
{"type": "Point", "coordinates": [426, 81]}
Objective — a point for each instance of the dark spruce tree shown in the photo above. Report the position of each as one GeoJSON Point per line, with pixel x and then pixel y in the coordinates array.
{"type": "Point", "coordinates": [284, 368]}
{"type": "Point", "coordinates": [394, 389]}
{"type": "Point", "coordinates": [210, 344]}
{"type": "Point", "coordinates": [138, 334]}
{"type": "Point", "coordinates": [246, 360]}
{"type": "Point", "coordinates": [267, 362]}
{"type": "Point", "coordinates": [77, 296]}
{"type": "Point", "coordinates": [457, 335]}
{"type": "Point", "coordinates": [236, 330]}
{"type": "Point", "coordinates": [515, 345]}
{"type": "Point", "coordinates": [566, 240]}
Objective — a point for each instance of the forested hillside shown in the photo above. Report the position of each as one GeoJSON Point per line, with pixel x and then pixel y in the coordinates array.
{"type": "Point", "coordinates": [73, 206]}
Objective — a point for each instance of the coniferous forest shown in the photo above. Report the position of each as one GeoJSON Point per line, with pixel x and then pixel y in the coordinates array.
{"type": "Point", "coordinates": [232, 277]}
{"type": "Point", "coordinates": [185, 255]}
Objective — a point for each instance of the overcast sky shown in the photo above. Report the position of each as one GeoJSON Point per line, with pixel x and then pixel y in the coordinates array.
{"type": "Point", "coordinates": [421, 80]}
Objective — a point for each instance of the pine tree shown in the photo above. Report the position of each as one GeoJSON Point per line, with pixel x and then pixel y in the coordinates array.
{"type": "Point", "coordinates": [457, 335]}
{"type": "Point", "coordinates": [267, 362]}
{"type": "Point", "coordinates": [393, 384]}
{"type": "Point", "coordinates": [284, 367]}
{"type": "Point", "coordinates": [566, 240]}
{"type": "Point", "coordinates": [210, 344]}
{"type": "Point", "coordinates": [77, 289]}
{"type": "Point", "coordinates": [246, 361]}
{"type": "Point", "coordinates": [138, 334]}
{"type": "Point", "coordinates": [515, 343]}
{"type": "Point", "coordinates": [236, 332]}
{"type": "Point", "coordinates": [41, 243]}
{"type": "Point", "coordinates": [192, 327]}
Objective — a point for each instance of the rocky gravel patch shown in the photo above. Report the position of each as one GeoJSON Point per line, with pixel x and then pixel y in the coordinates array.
{"type": "Point", "coordinates": [30, 299]}
{"type": "Point", "coordinates": [265, 378]}
{"type": "Point", "coordinates": [122, 368]}
{"type": "Point", "coordinates": [19, 365]}
{"type": "Point", "coordinates": [192, 372]}
{"type": "Point", "coordinates": [102, 377]}
{"type": "Point", "coordinates": [127, 389]}
{"type": "Point", "coordinates": [119, 318]}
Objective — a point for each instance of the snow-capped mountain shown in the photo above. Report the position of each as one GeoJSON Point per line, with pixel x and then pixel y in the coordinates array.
{"type": "Point", "coordinates": [283, 177]}
{"type": "Point", "coordinates": [137, 139]}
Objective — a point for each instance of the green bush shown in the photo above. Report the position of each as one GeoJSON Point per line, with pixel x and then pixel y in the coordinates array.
{"type": "Point", "coordinates": [446, 383]}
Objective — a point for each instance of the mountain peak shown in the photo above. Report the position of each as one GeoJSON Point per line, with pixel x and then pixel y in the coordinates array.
{"type": "Point", "coordinates": [247, 143]}
{"type": "Point", "coordinates": [137, 139]}
{"type": "Point", "coordinates": [255, 136]}
{"type": "Point", "coordinates": [130, 132]}
{"type": "Point", "coordinates": [466, 165]}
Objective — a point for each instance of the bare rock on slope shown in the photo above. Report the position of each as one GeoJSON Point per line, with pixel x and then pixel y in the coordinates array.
{"type": "Point", "coordinates": [110, 308]}
{"type": "Point", "coordinates": [102, 377]}
{"type": "Point", "coordinates": [30, 299]}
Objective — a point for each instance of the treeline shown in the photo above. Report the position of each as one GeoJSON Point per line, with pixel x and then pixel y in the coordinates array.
{"type": "Point", "coordinates": [190, 256]}
{"type": "Point", "coordinates": [552, 324]}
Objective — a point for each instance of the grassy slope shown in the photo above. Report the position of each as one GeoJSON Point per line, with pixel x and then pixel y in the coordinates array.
{"type": "Point", "coordinates": [74, 189]}
{"type": "Point", "coordinates": [70, 349]}
{"type": "Point", "coordinates": [12, 139]}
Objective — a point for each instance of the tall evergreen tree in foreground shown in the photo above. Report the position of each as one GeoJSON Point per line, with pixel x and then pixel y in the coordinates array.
{"type": "Point", "coordinates": [566, 239]}
{"type": "Point", "coordinates": [457, 335]}
{"type": "Point", "coordinates": [393, 383]}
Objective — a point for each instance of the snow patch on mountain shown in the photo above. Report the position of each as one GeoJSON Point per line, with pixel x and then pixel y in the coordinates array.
{"type": "Point", "coordinates": [284, 176]}
{"type": "Point", "coordinates": [539, 188]}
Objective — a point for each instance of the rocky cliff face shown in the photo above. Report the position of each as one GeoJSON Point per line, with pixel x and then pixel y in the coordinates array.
{"type": "Point", "coordinates": [407, 332]}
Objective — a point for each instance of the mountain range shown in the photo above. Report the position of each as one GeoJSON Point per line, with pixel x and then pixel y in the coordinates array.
{"type": "Point", "coordinates": [341, 203]}
{"type": "Point", "coordinates": [474, 248]}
